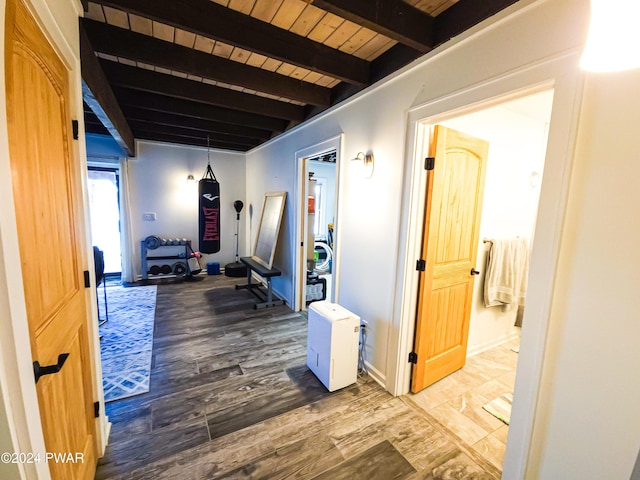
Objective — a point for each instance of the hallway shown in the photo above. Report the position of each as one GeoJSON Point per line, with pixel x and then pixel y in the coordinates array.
{"type": "Point", "coordinates": [231, 397]}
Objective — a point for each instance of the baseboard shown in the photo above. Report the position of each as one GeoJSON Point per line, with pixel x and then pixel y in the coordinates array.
{"type": "Point", "coordinates": [483, 347]}
{"type": "Point", "coordinates": [376, 375]}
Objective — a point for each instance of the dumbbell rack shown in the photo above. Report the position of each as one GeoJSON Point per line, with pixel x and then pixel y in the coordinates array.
{"type": "Point", "coordinates": [145, 258]}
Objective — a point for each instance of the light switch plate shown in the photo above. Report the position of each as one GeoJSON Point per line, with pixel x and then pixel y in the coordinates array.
{"type": "Point", "coordinates": [149, 216]}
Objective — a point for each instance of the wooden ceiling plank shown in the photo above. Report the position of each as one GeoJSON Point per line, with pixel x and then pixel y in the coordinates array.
{"type": "Point", "coordinates": [204, 44]}
{"type": "Point", "coordinates": [163, 31]}
{"type": "Point", "coordinates": [360, 38]}
{"type": "Point", "coordinates": [288, 13]}
{"type": "Point", "coordinates": [97, 93]}
{"type": "Point", "coordinates": [393, 18]}
{"type": "Point", "coordinates": [167, 119]}
{"type": "Point", "coordinates": [212, 20]}
{"type": "Point", "coordinates": [95, 12]}
{"type": "Point", "coordinates": [343, 33]}
{"type": "Point", "coordinates": [307, 20]}
{"type": "Point", "coordinates": [116, 17]}
{"type": "Point", "coordinates": [325, 27]}
{"type": "Point", "coordinates": [223, 50]}
{"type": "Point", "coordinates": [176, 106]}
{"type": "Point", "coordinates": [140, 24]}
{"type": "Point", "coordinates": [120, 42]}
{"type": "Point", "coordinates": [242, 6]}
{"type": "Point", "coordinates": [265, 9]}
{"type": "Point", "coordinates": [184, 38]}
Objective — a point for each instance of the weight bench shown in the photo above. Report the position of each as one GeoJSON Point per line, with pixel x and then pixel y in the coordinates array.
{"type": "Point", "coordinates": [266, 298]}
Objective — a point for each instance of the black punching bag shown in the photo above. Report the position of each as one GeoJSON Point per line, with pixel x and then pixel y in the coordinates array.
{"type": "Point", "coordinates": [209, 212]}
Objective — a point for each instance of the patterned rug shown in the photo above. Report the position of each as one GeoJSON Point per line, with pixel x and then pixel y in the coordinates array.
{"type": "Point", "coordinates": [500, 407]}
{"type": "Point", "coordinates": [127, 340]}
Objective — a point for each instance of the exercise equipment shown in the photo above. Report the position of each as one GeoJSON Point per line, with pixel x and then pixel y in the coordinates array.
{"type": "Point", "coordinates": [236, 269]}
{"type": "Point", "coordinates": [152, 242]}
{"type": "Point", "coordinates": [209, 210]}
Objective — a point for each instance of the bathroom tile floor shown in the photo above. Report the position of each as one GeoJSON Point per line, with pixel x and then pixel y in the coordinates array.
{"type": "Point", "coordinates": [457, 400]}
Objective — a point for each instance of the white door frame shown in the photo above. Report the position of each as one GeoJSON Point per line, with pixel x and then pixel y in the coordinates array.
{"type": "Point", "coordinates": [560, 74]}
{"type": "Point", "coordinates": [334, 143]}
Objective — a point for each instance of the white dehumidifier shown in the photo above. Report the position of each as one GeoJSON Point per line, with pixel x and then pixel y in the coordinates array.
{"type": "Point", "coordinates": [332, 344]}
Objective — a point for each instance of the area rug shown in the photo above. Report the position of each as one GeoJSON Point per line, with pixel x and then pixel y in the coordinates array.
{"type": "Point", "coordinates": [127, 340]}
{"type": "Point", "coordinates": [500, 407]}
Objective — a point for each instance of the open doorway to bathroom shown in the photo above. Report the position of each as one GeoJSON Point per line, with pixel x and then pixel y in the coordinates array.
{"type": "Point", "coordinates": [516, 131]}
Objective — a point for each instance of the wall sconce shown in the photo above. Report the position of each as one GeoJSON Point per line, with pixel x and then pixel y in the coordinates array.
{"type": "Point", "coordinates": [612, 43]}
{"type": "Point", "coordinates": [367, 162]}
{"type": "Point", "coordinates": [191, 179]}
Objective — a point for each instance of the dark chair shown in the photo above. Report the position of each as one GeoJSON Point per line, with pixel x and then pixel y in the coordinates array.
{"type": "Point", "coordinates": [98, 258]}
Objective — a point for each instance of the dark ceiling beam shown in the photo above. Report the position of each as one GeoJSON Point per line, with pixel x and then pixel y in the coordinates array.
{"type": "Point", "coordinates": [150, 126]}
{"type": "Point", "coordinates": [97, 94]}
{"type": "Point", "coordinates": [160, 103]}
{"type": "Point", "coordinates": [91, 127]}
{"type": "Point", "coordinates": [143, 48]}
{"type": "Point", "coordinates": [393, 59]}
{"type": "Point", "coordinates": [209, 19]}
{"type": "Point", "coordinates": [393, 18]}
{"type": "Point", "coordinates": [139, 126]}
{"type": "Point", "coordinates": [461, 16]}
{"type": "Point", "coordinates": [197, 142]}
{"type": "Point", "coordinates": [172, 86]}
{"type": "Point", "coordinates": [169, 120]}
{"type": "Point", "coordinates": [465, 14]}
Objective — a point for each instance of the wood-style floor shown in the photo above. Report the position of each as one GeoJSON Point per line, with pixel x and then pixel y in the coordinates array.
{"type": "Point", "coordinates": [231, 397]}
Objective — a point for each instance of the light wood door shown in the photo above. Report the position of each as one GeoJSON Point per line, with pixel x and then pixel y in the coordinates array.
{"type": "Point", "coordinates": [46, 188]}
{"type": "Point", "coordinates": [452, 219]}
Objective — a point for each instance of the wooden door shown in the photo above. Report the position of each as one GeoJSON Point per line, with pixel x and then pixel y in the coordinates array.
{"type": "Point", "coordinates": [46, 189]}
{"type": "Point", "coordinates": [452, 219]}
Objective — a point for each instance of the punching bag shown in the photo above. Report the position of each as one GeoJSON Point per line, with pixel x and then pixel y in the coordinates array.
{"type": "Point", "coordinates": [209, 212]}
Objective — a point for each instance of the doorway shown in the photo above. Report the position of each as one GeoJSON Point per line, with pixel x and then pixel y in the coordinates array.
{"type": "Point", "coordinates": [103, 185]}
{"type": "Point", "coordinates": [317, 211]}
{"type": "Point", "coordinates": [321, 171]}
{"type": "Point", "coordinates": [517, 133]}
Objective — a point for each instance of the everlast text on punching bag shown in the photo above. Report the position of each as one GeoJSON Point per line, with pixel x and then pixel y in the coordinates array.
{"type": "Point", "coordinates": [209, 211]}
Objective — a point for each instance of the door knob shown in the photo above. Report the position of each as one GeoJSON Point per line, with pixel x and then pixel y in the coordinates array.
{"type": "Point", "coordinates": [474, 272]}
{"type": "Point", "coordinates": [40, 371]}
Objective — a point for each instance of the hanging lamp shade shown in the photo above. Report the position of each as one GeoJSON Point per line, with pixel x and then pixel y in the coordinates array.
{"type": "Point", "coordinates": [614, 36]}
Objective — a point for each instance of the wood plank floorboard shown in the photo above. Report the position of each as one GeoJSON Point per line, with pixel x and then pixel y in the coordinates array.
{"type": "Point", "coordinates": [231, 397]}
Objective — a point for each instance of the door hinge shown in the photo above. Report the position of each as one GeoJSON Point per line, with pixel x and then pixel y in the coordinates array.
{"type": "Point", "coordinates": [96, 409]}
{"type": "Point", "coordinates": [87, 279]}
{"type": "Point", "coordinates": [75, 129]}
{"type": "Point", "coordinates": [429, 163]}
{"type": "Point", "coordinates": [413, 358]}
{"type": "Point", "coordinates": [421, 265]}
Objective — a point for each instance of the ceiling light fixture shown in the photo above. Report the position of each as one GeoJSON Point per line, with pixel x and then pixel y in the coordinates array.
{"type": "Point", "coordinates": [614, 36]}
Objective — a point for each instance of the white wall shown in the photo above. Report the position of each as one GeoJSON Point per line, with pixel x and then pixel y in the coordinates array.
{"type": "Point", "coordinates": [517, 144]}
{"type": "Point", "coordinates": [158, 184]}
{"type": "Point", "coordinates": [7, 470]}
{"type": "Point", "coordinates": [589, 426]}
{"type": "Point", "coordinates": [377, 120]}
